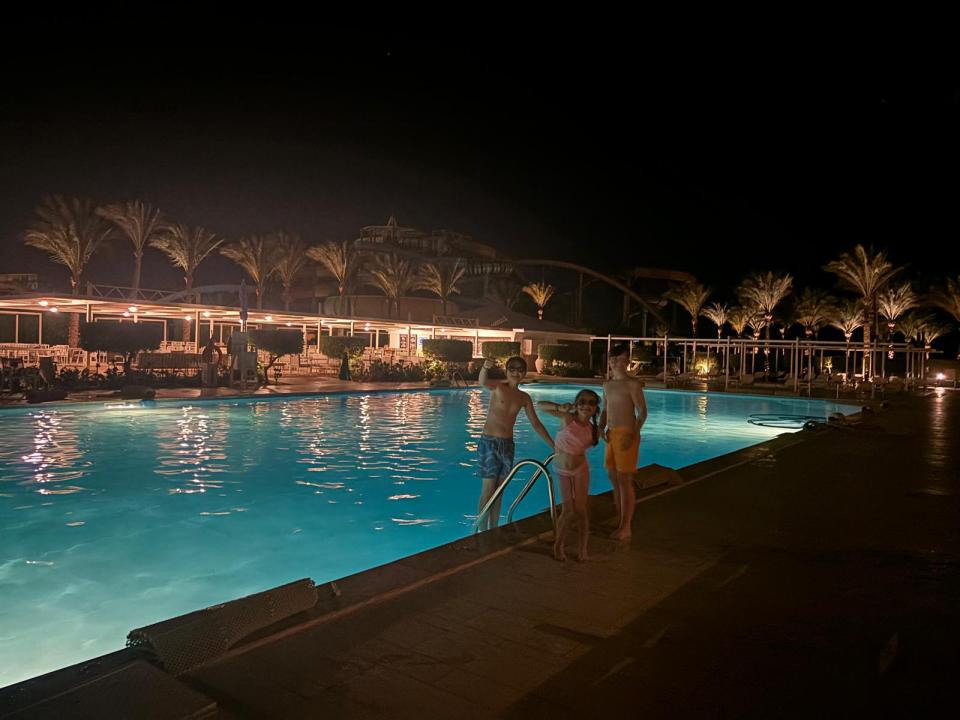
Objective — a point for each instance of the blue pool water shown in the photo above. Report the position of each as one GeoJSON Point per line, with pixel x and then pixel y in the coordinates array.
{"type": "Point", "coordinates": [115, 518]}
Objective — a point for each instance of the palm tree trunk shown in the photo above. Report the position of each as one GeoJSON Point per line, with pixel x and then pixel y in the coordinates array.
{"type": "Point", "coordinates": [135, 283]}
{"type": "Point", "coordinates": [766, 350]}
{"type": "Point", "coordinates": [286, 299]}
{"type": "Point", "coordinates": [259, 297]}
{"type": "Point", "coordinates": [73, 333]}
{"type": "Point", "coordinates": [866, 344]}
{"type": "Point", "coordinates": [694, 347]}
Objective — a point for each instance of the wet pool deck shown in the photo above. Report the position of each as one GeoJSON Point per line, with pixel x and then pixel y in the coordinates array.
{"type": "Point", "coordinates": [814, 575]}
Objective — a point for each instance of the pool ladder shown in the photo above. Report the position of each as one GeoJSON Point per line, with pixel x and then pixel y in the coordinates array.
{"type": "Point", "coordinates": [541, 469]}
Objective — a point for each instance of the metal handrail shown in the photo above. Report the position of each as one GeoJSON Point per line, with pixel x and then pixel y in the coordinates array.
{"type": "Point", "coordinates": [453, 378]}
{"type": "Point", "coordinates": [541, 470]}
{"type": "Point", "coordinates": [530, 484]}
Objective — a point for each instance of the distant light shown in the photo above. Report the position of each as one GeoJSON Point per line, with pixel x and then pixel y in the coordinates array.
{"type": "Point", "coordinates": [289, 323]}
{"type": "Point", "coordinates": [53, 309]}
{"type": "Point", "coordinates": [206, 313]}
{"type": "Point", "coordinates": [367, 326]}
{"type": "Point", "coordinates": [132, 308]}
{"type": "Point", "coordinates": [188, 318]}
{"type": "Point", "coordinates": [941, 376]}
{"type": "Point", "coordinates": [269, 318]}
{"type": "Point", "coordinates": [43, 303]}
{"type": "Point", "coordinates": [126, 314]}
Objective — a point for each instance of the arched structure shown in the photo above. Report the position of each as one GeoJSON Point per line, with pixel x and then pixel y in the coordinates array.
{"type": "Point", "coordinates": [673, 275]}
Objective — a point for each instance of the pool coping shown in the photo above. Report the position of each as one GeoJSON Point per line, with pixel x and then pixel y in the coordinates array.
{"type": "Point", "coordinates": [352, 593]}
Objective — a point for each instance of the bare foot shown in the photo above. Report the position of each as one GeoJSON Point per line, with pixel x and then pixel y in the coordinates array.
{"type": "Point", "coordinates": [558, 552]}
{"type": "Point", "coordinates": [621, 536]}
{"type": "Point", "coordinates": [582, 556]}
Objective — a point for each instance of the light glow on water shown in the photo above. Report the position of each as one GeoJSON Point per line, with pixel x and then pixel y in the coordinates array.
{"type": "Point", "coordinates": [111, 519]}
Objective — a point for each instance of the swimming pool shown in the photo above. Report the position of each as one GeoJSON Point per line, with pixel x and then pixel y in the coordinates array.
{"type": "Point", "coordinates": [111, 519]}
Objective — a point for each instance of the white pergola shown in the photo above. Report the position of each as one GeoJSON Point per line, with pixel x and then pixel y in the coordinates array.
{"type": "Point", "coordinates": [401, 335]}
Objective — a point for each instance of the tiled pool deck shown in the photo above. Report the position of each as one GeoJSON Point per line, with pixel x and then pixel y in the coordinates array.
{"type": "Point", "coordinates": [813, 575]}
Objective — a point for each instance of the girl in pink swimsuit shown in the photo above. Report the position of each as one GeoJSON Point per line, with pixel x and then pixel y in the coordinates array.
{"type": "Point", "coordinates": [578, 433]}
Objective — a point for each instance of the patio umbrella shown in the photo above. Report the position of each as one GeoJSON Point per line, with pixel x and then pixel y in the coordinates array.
{"type": "Point", "coordinates": [244, 314]}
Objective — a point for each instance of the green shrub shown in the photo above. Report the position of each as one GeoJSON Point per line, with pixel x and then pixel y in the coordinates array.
{"type": "Point", "coordinates": [457, 351]}
{"type": "Point", "coordinates": [125, 339]}
{"type": "Point", "coordinates": [500, 350]}
{"type": "Point", "coordinates": [563, 353]}
{"type": "Point", "coordinates": [379, 371]}
{"type": "Point", "coordinates": [574, 370]}
{"type": "Point", "coordinates": [278, 343]}
{"type": "Point", "coordinates": [333, 345]}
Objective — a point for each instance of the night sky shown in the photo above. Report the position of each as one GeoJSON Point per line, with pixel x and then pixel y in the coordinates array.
{"type": "Point", "coordinates": [594, 153]}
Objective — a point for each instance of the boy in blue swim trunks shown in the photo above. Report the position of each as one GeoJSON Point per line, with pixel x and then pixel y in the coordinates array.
{"type": "Point", "coordinates": [496, 447]}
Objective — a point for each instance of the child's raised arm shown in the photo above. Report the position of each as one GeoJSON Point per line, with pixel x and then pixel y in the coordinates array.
{"type": "Point", "coordinates": [535, 421]}
{"type": "Point", "coordinates": [484, 380]}
{"type": "Point", "coordinates": [555, 409]}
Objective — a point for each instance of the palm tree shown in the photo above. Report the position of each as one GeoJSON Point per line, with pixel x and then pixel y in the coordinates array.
{"type": "Point", "coordinates": [739, 318]}
{"type": "Point", "coordinates": [441, 279]}
{"type": "Point", "coordinates": [847, 318]}
{"type": "Point", "coordinates": [756, 321]}
{"type": "Point", "coordinates": [506, 292]}
{"type": "Point", "coordinates": [911, 325]}
{"type": "Point", "coordinates": [141, 223]}
{"type": "Point", "coordinates": [289, 259]}
{"type": "Point", "coordinates": [540, 293]}
{"type": "Point", "coordinates": [394, 275]}
{"type": "Point", "coordinates": [867, 273]}
{"type": "Point", "coordinates": [256, 255]}
{"type": "Point", "coordinates": [931, 330]}
{"type": "Point", "coordinates": [690, 296]}
{"type": "Point", "coordinates": [762, 292]}
{"type": "Point", "coordinates": [187, 248]}
{"type": "Point", "coordinates": [949, 298]}
{"type": "Point", "coordinates": [894, 302]}
{"type": "Point", "coordinates": [814, 309]}
{"type": "Point", "coordinates": [717, 314]}
{"type": "Point", "coordinates": [69, 232]}
{"type": "Point", "coordinates": [342, 261]}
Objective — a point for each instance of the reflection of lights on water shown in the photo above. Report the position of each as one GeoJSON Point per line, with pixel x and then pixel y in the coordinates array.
{"type": "Point", "coordinates": [55, 454]}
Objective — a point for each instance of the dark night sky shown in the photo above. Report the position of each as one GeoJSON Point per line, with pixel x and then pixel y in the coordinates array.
{"type": "Point", "coordinates": [606, 156]}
